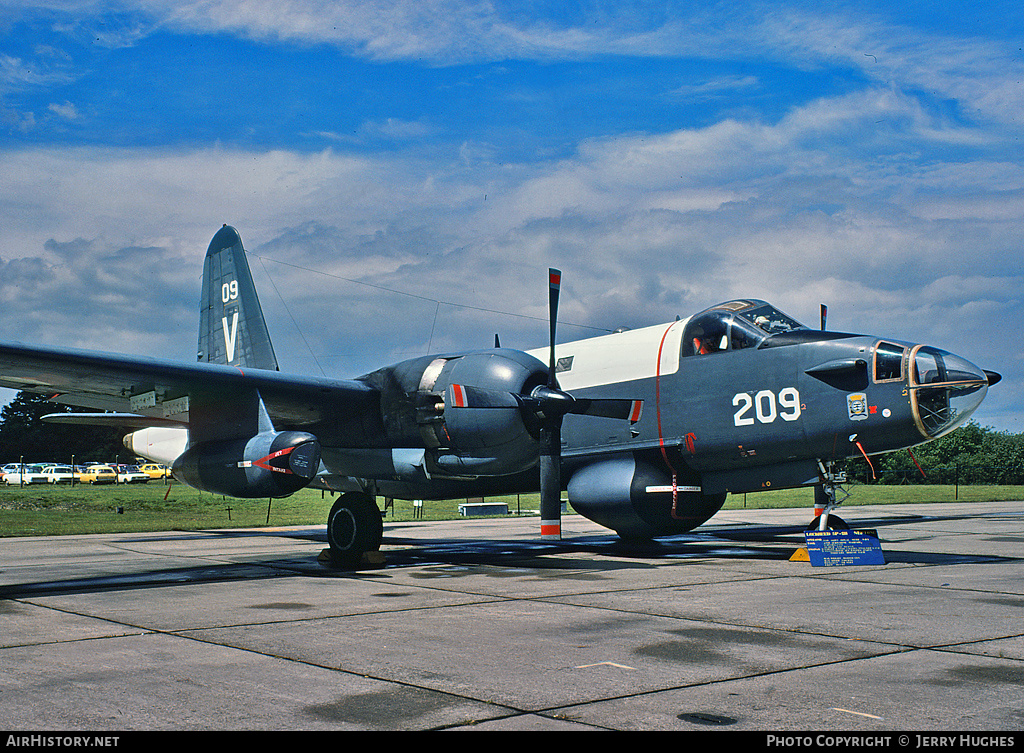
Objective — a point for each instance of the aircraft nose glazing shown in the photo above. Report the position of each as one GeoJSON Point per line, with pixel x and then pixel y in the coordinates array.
{"type": "Point", "coordinates": [945, 389]}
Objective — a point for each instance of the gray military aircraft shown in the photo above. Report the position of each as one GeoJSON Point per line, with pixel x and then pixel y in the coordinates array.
{"type": "Point", "coordinates": [647, 430]}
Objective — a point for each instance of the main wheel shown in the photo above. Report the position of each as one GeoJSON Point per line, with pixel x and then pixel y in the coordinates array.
{"type": "Point", "coordinates": [354, 526]}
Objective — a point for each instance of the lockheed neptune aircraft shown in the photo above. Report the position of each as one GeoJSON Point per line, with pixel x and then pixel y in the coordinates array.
{"type": "Point", "coordinates": [646, 430]}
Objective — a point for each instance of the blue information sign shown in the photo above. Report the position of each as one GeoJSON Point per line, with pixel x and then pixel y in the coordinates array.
{"type": "Point", "coordinates": [838, 548]}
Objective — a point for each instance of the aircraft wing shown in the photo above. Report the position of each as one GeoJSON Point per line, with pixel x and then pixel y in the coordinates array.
{"type": "Point", "coordinates": [162, 388]}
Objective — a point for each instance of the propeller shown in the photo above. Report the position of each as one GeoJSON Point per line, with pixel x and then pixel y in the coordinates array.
{"type": "Point", "coordinates": [553, 404]}
{"type": "Point", "coordinates": [549, 404]}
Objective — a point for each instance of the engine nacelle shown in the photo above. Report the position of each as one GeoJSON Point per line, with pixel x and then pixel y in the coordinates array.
{"type": "Point", "coordinates": [481, 441]}
{"type": "Point", "coordinates": [271, 464]}
{"type": "Point", "coordinates": [634, 498]}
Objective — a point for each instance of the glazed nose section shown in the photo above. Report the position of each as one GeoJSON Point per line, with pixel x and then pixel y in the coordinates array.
{"type": "Point", "coordinates": [945, 389]}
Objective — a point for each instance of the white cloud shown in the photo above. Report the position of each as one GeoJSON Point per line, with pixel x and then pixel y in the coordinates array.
{"type": "Point", "coordinates": [715, 87]}
{"type": "Point", "coordinates": [982, 76]}
{"type": "Point", "coordinates": [66, 111]}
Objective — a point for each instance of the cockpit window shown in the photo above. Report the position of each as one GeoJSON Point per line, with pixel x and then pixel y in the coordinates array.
{"type": "Point", "coordinates": [734, 326]}
{"type": "Point", "coordinates": [888, 362]}
{"type": "Point", "coordinates": [945, 389]}
{"type": "Point", "coordinates": [769, 319]}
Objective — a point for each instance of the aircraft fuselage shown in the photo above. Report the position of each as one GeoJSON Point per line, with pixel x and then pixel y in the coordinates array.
{"type": "Point", "coordinates": [735, 419]}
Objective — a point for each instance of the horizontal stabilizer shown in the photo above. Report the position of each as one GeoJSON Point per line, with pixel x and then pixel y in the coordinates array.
{"type": "Point", "coordinates": [124, 420]}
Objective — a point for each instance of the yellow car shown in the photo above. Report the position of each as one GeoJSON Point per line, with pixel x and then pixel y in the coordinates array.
{"type": "Point", "coordinates": [155, 470]}
{"type": "Point", "coordinates": [98, 474]}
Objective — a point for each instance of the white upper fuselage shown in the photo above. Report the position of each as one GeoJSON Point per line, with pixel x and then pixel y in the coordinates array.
{"type": "Point", "coordinates": [619, 357]}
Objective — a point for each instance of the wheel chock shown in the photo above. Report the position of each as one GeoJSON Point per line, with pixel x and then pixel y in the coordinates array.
{"type": "Point", "coordinates": [800, 555]}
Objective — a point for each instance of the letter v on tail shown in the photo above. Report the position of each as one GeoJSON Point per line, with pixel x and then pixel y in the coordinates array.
{"type": "Point", "coordinates": [229, 304]}
{"type": "Point", "coordinates": [230, 335]}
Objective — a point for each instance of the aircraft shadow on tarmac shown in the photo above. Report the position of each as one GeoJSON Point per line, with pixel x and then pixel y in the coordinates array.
{"type": "Point", "coordinates": [610, 552]}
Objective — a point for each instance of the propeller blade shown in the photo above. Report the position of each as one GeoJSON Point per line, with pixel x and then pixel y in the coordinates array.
{"type": "Point", "coordinates": [608, 408]}
{"type": "Point", "coordinates": [554, 285]}
{"type": "Point", "coordinates": [544, 402]}
{"type": "Point", "coordinates": [551, 402]}
{"type": "Point", "coordinates": [555, 403]}
{"type": "Point", "coordinates": [551, 480]}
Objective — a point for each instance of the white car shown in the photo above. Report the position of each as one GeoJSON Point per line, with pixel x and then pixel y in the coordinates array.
{"type": "Point", "coordinates": [16, 474]}
{"type": "Point", "coordinates": [58, 474]}
{"type": "Point", "coordinates": [131, 474]}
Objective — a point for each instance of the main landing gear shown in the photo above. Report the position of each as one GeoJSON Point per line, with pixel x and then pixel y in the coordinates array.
{"type": "Point", "coordinates": [354, 529]}
{"type": "Point", "coordinates": [828, 495]}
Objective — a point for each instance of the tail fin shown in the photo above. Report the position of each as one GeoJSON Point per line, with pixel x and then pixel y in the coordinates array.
{"type": "Point", "coordinates": [231, 326]}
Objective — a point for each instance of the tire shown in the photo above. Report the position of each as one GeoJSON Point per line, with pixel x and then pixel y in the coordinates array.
{"type": "Point", "coordinates": [354, 526]}
{"type": "Point", "coordinates": [835, 523]}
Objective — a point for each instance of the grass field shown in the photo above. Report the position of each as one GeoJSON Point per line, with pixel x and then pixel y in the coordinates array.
{"type": "Point", "coordinates": [47, 510]}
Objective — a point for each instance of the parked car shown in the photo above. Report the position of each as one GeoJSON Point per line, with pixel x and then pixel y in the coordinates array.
{"type": "Point", "coordinates": [130, 474]}
{"type": "Point", "coordinates": [58, 474]}
{"type": "Point", "coordinates": [98, 474]}
{"type": "Point", "coordinates": [155, 470]}
{"type": "Point", "coordinates": [16, 474]}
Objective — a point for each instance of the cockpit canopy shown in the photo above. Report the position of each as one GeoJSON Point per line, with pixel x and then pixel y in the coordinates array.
{"type": "Point", "coordinates": [735, 325]}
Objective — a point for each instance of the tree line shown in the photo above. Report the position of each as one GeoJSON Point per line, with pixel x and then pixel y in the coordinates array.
{"type": "Point", "coordinates": [973, 454]}
{"type": "Point", "coordinates": [25, 436]}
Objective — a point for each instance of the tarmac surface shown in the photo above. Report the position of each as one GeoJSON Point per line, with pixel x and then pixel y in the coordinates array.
{"type": "Point", "coordinates": [477, 624]}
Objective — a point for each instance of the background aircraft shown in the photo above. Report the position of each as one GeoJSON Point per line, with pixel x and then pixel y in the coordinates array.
{"type": "Point", "coordinates": [647, 429]}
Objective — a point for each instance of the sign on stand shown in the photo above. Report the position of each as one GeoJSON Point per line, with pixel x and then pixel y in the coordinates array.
{"type": "Point", "coordinates": [840, 548]}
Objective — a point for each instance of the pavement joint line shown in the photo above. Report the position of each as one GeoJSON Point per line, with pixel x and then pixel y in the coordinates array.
{"type": "Point", "coordinates": [716, 681]}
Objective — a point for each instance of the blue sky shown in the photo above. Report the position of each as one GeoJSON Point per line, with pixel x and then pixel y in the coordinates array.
{"type": "Point", "coordinates": [403, 173]}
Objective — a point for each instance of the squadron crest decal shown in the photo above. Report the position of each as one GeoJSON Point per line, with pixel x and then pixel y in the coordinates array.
{"type": "Point", "coordinates": [857, 406]}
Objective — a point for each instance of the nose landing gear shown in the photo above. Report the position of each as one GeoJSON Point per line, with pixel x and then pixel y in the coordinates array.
{"type": "Point", "coordinates": [828, 495]}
